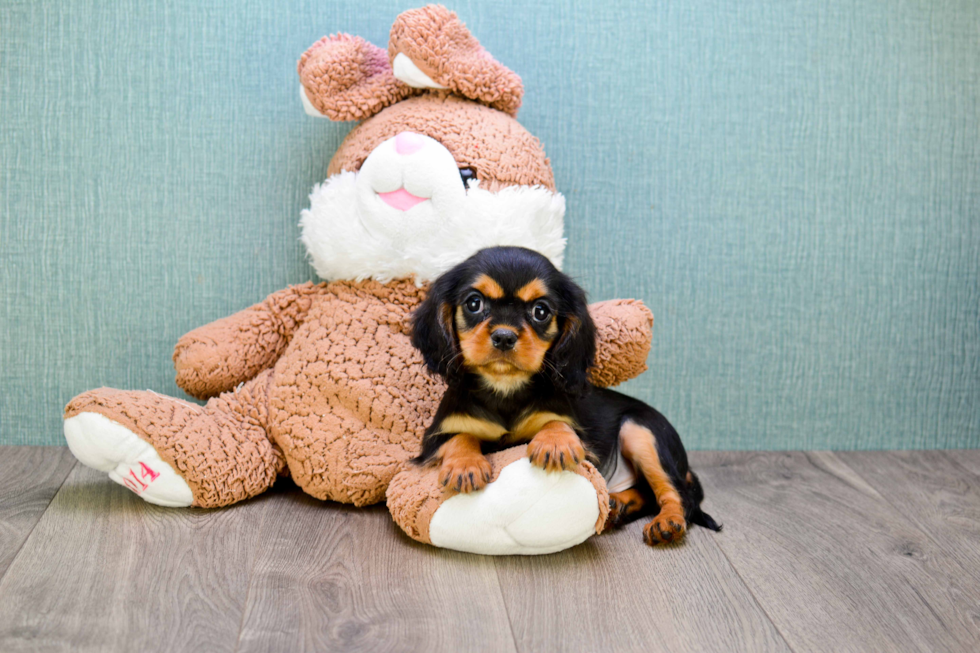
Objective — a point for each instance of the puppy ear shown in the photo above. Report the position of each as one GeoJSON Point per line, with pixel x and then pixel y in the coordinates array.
{"type": "Point", "coordinates": [573, 353]}
{"type": "Point", "coordinates": [433, 332]}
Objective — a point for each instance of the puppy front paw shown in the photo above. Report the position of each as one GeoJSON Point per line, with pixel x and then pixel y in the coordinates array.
{"type": "Point", "coordinates": [464, 473]}
{"type": "Point", "coordinates": [556, 448]}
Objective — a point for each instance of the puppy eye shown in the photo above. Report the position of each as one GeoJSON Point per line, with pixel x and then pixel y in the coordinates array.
{"type": "Point", "coordinates": [540, 312]}
{"type": "Point", "coordinates": [474, 304]}
{"type": "Point", "coordinates": [467, 174]}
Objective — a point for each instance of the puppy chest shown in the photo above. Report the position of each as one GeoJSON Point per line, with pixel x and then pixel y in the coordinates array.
{"type": "Point", "coordinates": [520, 428]}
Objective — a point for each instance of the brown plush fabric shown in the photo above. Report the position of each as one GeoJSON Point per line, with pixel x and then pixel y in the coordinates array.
{"type": "Point", "coordinates": [623, 331]}
{"type": "Point", "coordinates": [347, 78]}
{"type": "Point", "coordinates": [589, 471]}
{"type": "Point", "coordinates": [473, 133]}
{"type": "Point", "coordinates": [439, 44]}
{"type": "Point", "coordinates": [320, 380]}
{"type": "Point", "coordinates": [414, 494]}
{"type": "Point", "coordinates": [343, 405]}
{"type": "Point", "coordinates": [218, 356]}
{"type": "Point", "coordinates": [349, 399]}
{"type": "Point", "coordinates": [222, 449]}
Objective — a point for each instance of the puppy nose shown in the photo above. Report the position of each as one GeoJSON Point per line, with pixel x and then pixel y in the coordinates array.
{"type": "Point", "coordinates": [408, 142]}
{"type": "Point", "coordinates": [503, 339]}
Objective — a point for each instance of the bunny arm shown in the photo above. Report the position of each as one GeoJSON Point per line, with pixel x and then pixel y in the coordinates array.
{"type": "Point", "coordinates": [216, 357]}
{"type": "Point", "coordinates": [624, 328]}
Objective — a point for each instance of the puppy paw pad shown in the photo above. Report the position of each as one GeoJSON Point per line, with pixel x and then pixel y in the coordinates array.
{"type": "Point", "coordinates": [664, 529]}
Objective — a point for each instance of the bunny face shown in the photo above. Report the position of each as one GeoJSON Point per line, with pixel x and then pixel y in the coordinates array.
{"type": "Point", "coordinates": [491, 143]}
{"type": "Point", "coordinates": [429, 177]}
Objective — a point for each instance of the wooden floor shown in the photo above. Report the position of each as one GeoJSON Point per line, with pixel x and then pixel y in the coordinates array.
{"type": "Point", "coordinates": [821, 551]}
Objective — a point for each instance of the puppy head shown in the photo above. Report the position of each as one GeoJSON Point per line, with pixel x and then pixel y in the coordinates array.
{"type": "Point", "coordinates": [506, 314]}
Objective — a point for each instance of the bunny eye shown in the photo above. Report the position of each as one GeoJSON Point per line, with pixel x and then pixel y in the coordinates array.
{"type": "Point", "coordinates": [467, 174]}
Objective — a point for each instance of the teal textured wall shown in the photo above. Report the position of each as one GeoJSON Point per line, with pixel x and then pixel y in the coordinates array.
{"type": "Point", "coordinates": [792, 187]}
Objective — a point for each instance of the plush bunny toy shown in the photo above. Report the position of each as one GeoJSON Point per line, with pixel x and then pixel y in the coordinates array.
{"type": "Point", "coordinates": [320, 381]}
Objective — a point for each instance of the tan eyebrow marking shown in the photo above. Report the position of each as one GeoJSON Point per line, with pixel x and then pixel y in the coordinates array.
{"type": "Point", "coordinates": [488, 287]}
{"type": "Point", "coordinates": [531, 291]}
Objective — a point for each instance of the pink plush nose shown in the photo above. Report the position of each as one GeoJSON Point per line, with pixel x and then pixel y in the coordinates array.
{"type": "Point", "coordinates": [408, 142]}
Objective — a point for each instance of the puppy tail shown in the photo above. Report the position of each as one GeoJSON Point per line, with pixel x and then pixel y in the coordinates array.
{"type": "Point", "coordinates": [702, 518]}
{"type": "Point", "coordinates": [695, 495]}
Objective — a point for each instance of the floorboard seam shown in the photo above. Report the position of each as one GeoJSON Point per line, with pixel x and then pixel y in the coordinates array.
{"type": "Point", "coordinates": [510, 622]}
{"type": "Point", "coordinates": [251, 577]}
{"type": "Point", "coordinates": [957, 464]}
{"type": "Point", "coordinates": [941, 549]}
{"type": "Point", "coordinates": [898, 510]}
{"type": "Point", "coordinates": [38, 520]}
{"type": "Point", "coordinates": [752, 594]}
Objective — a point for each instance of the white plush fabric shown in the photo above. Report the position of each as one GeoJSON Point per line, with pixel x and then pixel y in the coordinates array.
{"type": "Point", "coordinates": [108, 446]}
{"type": "Point", "coordinates": [625, 475]}
{"type": "Point", "coordinates": [307, 105]}
{"type": "Point", "coordinates": [525, 511]}
{"type": "Point", "coordinates": [407, 72]}
{"type": "Point", "coordinates": [351, 233]}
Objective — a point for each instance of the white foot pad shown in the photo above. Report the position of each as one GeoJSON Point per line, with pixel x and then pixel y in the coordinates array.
{"type": "Point", "coordinates": [525, 511]}
{"type": "Point", "coordinates": [102, 444]}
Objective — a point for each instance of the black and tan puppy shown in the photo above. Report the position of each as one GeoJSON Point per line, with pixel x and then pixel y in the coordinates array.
{"type": "Point", "coordinates": [513, 338]}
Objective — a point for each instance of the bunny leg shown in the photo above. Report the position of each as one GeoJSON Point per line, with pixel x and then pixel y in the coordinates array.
{"type": "Point", "coordinates": [175, 453]}
{"type": "Point", "coordinates": [524, 509]}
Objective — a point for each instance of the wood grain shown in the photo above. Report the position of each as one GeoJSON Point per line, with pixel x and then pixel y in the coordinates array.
{"type": "Point", "coordinates": [855, 551]}
{"type": "Point", "coordinates": [29, 479]}
{"type": "Point", "coordinates": [104, 571]}
{"type": "Point", "coordinates": [337, 578]}
{"type": "Point", "coordinates": [943, 500]}
{"type": "Point", "coordinates": [968, 459]}
{"type": "Point", "coordinates": [833, 564]}
{"type": "Point", "coordinates": [614, 593]}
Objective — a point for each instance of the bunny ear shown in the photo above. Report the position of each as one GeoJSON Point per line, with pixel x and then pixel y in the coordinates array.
{"type": "Point", "coordinates": [431, 48]}
{"type": "Point", "coordinates": [346, 78]}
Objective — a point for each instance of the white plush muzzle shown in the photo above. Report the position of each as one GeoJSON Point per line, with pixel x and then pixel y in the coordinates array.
{"type": "Point", "coordinates": [352, 231]}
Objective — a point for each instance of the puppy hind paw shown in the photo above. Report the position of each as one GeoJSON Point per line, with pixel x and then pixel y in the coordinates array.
{"type": "Point", "coordinates": [665, 529]}
{"type": "Point", "coordinates": [613, 519]}
{"type": "Point", "coordinates": [617, 513]}
{"type": "Point", "coordinates": [624, 507]}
